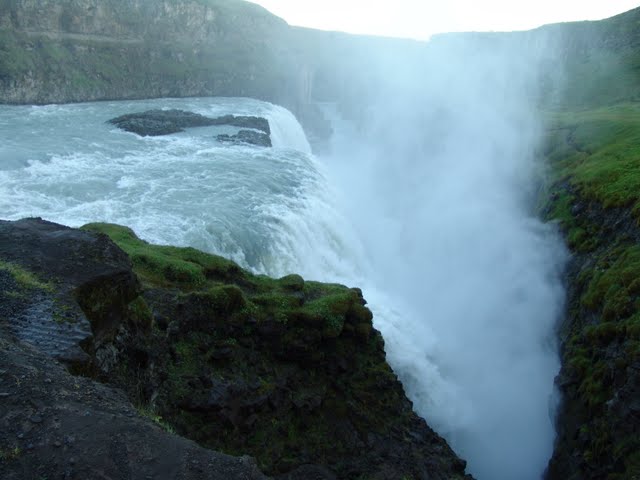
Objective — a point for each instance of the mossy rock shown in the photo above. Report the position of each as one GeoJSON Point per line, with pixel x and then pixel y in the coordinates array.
{"type": "Point", "coordinates": [286, 370]}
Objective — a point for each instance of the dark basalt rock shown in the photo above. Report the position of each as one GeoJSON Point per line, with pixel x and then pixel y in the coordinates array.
{"type": "Point", "coordinates": [159, 122]}
{"type": "Point", "coordinates": [288, 371]}
{"type": "Point", "coordinates": [55, 425]}
{"type": "Point", "coordinates": [165, 122]}
{"type": "Point", "coordinates": [84, 294]}
{"type": "Point", "coordinates": [250, 137]}
{"type": "Point", "coordinates": [244, 121]}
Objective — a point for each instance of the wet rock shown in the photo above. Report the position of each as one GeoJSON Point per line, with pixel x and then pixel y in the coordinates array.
{"type": "Point", "coordinates": [159, 122]}
{"type": "Point", "coordinates": [165, 122]}
{"type": "Point", "coordinates": [246, 137]}
{"type": "Point", "coordinates": [244, 121]}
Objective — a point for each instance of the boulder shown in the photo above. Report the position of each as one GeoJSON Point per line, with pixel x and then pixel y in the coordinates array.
{"type": "Point", "coordinates": [165, 122]}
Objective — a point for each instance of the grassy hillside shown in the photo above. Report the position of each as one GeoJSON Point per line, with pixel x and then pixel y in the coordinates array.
{"type": "Point", "coordinates": [595, 196]}
{"type": "Point", "coordinates": [600, 60]}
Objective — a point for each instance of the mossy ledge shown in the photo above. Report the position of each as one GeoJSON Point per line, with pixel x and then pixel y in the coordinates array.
{"type": "Point", "coordinates": [595, 166]}
{"type": "Point", "coordinates": [288, 371]}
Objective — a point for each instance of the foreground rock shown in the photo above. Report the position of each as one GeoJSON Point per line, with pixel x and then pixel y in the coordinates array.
{"type": "Point", "coordinates": [288, 371]}
{"type": "Point", "coordinates": [54, 425]}
{"type": "Point", "coordinates": [68, 292]}
{"type": "Point", "coordinates": [165, 122]}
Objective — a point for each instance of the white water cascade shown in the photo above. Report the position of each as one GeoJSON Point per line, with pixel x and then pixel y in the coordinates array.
{"type": "Point", "coordinates": [286, 132]}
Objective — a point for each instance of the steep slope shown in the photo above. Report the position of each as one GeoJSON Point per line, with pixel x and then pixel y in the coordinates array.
{"type": "Point", "coordinates": [76, 50]}
{"type": "Point", "coordinates": [593, 150]}
{"type": "Point", "coordinates": [600, 60]}
{"type": "Point", "coordinates": [595, 161]}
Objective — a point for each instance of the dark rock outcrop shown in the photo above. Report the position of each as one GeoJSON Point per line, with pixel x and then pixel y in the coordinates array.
{"type": "Point", "coordinates": [164, 122]}
{"type": "Point", "coordinates": [244, 121]}
{"type": "Point", "coordinates": [154, 123]}
{"type": "Point", "coordinates": [249, 137]}
{"type": "Point", "coordinates": [84, 298]}
{"type": "Point", "coordinates": [55, 425]}
{"type": "Point", "coordinates": [290, 372]}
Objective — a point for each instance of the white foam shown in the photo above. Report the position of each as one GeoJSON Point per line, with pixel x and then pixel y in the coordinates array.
{"type": "Point", "coordinates": [286, 132]}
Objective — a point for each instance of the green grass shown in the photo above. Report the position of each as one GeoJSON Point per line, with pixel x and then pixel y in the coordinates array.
{"type": "Point", "coordinates": [166, 266]}
{"type": "Point", "coordinates": [24, 278]}
{"type": "Point", "coordinates": [599, 151]}
{"type": "Point", "coordinates": [150, 413]}
{"type": "Point", "coordinates": [219, 288]}
{"type": "Point", "coordinates": [220, 311]}
{"type": "Point", "coordinates": [594, 157]}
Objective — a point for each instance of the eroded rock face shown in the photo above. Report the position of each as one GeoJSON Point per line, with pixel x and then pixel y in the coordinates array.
{"type": "Point", "coordinates": [288, 371]}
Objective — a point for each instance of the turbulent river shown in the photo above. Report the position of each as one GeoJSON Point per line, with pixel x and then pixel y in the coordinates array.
{"type": "Point", "coordinates": [463, 281]}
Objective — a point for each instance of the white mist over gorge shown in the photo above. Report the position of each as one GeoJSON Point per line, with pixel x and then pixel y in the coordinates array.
{"type": "Point", "coordinates": [440, 186]}
{"type": "Point", "coordinates": [426, 202]}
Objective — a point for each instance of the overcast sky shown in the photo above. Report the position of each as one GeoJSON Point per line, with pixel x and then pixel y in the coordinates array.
{"type": "Point", "coordinates": [422, 18]}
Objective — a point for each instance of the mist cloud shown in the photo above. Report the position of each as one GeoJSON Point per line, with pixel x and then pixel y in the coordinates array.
{"type": "Point", "coordinates": [439, 180]}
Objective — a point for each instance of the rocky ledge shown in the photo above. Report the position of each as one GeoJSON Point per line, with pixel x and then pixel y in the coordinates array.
{"type": "Point", "coordinates": [165, 122]}
{"type": "Point", "coordinates": [288, 371]}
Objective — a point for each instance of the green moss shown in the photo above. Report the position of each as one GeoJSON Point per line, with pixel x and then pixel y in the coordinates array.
{"type": "Point", "coordinates": [599, 151]}
{"type": "Point", "coordinates": [24, 278]}
{"type": "Point", "coordinates": [185, 367]}
{"type": "Point", "coordinates": [615, 285]}
{"type": "Point", "coordinates": [140, 313]}
{"type": "Point", "coordinates": [292, 282]}
{"type": "Point", "coordinates": [595, 167]}
{"type": "Point", "coordinates": [289, 299]}
{"type": "Point", "coordinates": [14, 59]}
{"type": "Point", "coordinates": [10, 454]}
{"type": "Point", "coordinates": [331, 310]}
{"type": "Point", "coordinates": [257, 337]}
{"type": "Point", "coordinates": [158, 265]}
{"type": "Point", "coordinates": [627, 452]}
{"type": "Point", "coordinates": [149, 412]}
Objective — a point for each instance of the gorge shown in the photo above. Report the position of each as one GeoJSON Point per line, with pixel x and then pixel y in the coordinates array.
{"type": "Point", "coordinates": [432, 167]}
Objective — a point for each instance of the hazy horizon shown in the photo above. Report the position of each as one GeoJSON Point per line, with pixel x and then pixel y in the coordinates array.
{"type": "Point", "coordinates": [420, 19]}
